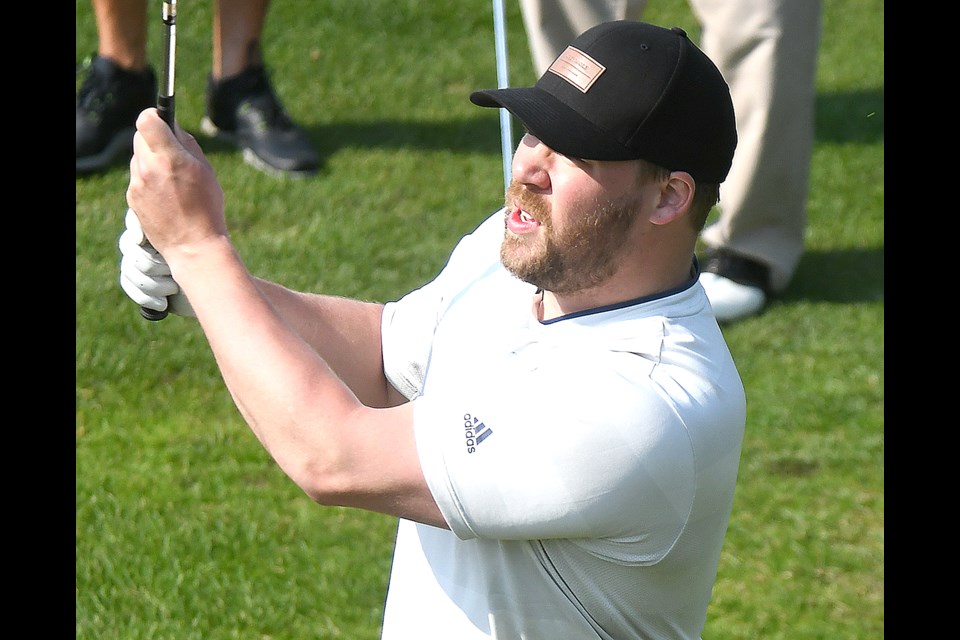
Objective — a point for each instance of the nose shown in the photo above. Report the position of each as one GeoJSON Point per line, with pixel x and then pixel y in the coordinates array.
{"type": "Point", "coordinates": [531, 161]}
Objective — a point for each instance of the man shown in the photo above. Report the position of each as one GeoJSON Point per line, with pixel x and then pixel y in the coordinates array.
{"type": "Point", "coordinates": [555, 418]}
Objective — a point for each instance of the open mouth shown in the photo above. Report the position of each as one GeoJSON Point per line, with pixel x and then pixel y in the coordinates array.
{"type": "Point", "coordinates": [520, 222]}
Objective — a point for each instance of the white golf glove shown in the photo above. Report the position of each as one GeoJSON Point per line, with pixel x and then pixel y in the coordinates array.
{"type": "Point", "coordinates": [144, 274]}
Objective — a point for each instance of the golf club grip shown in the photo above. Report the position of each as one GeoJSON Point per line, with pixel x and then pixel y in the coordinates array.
{"type": "Point", "coordinates": [165, 107]}
{"type": "Point", "coordinates": [166, 103]}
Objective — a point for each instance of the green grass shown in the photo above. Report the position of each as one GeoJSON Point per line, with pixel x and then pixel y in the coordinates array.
{"type": "Point", "coordinates": [185, 529]}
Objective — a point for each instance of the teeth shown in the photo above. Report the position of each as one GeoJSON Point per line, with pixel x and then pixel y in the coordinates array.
{"type": "Point", "coordinates": [526, 217]}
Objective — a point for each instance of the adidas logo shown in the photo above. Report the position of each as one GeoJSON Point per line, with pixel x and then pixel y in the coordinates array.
{"type": "Point", "coordinates": [474, 432]}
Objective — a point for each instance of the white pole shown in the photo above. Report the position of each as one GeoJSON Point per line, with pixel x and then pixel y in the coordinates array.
{"type": "Point", "coordinates": [506, 136]}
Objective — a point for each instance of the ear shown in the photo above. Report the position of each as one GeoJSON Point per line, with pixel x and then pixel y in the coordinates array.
{"type": "Point", "coordinates": [676, 196]}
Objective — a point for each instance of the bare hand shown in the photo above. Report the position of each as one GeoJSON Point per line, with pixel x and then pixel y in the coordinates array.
{"type": "Point", "coordinates": [173, 189]}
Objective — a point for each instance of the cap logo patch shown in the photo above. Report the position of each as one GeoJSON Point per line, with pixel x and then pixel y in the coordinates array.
{"type": "Point", "coordinates": [577, 68]}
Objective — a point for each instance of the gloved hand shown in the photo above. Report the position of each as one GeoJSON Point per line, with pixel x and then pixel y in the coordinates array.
{"type": "Point", "coordinates": [144, 274]}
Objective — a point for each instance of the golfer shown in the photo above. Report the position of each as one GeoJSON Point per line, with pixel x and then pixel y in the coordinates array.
{"type": "Point", "coordinates": [555, 418]}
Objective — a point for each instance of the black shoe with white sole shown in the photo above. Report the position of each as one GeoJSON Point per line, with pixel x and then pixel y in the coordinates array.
{"type": "Point", "coordinates": [737, 286]}
{"type": "Point", "coordinates": [245, 111]}
{"type": "Point", "coordinates": [108, 103]}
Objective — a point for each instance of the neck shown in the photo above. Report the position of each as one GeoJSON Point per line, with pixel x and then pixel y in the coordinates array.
{"type": "Point", "coordinates": [627, 284]}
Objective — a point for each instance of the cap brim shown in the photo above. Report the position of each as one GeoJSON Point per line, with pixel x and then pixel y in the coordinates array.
{"type": "Point", "coordinates": [554, 123]}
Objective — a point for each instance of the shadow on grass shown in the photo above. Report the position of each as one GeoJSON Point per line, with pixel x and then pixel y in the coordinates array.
{"type": "Point", "coordinates": [850, 117]}
{"type": "Point", "coordinates": [841, 276]}
{"type": "Point", "coordinates": [474, 135]}
{"type": "Point", "coordinates": [847, 117]}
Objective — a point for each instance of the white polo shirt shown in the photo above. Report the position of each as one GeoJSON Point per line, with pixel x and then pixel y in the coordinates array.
{"type": "Point", "coordinates": [586, 465]}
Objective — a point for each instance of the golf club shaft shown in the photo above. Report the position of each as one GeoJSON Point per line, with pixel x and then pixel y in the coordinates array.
{"type": "Point", "coordinates": [165, 98]}
{"type": "Point", "coordinates": [506, 136]}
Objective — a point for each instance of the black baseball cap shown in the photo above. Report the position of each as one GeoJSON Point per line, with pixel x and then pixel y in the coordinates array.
{"type": "Point", "coordinates": [627, 90]}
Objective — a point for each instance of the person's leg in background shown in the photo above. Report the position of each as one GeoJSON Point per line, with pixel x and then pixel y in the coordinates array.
{"type": "Point", "coordinates": [241, 103]}
{"type": "Point", "coordinates": [767, 51]}
{"type": "Point", "coordinates": [119, 84]}
{"type": "Point", "coordinates": [552, 24]}
{"type": "Point", "coordinates": [242, 106]}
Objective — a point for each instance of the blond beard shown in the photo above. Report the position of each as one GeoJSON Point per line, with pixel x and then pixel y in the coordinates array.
{"type": "Point", "coordinates": [583, 255]}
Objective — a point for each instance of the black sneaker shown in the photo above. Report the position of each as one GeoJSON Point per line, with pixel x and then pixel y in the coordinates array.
{"type": "Point", "coordinates": [737, 286]}
{"type": "Point", "coordinates": [245, 111]}
{"type": "Point", "coordinates": [108, 103]}
{"type": "Point", "coordinates": [736, 267]}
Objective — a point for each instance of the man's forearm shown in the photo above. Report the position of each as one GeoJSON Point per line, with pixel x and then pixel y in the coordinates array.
{"type": "Point", "coordinates": [345, 332]}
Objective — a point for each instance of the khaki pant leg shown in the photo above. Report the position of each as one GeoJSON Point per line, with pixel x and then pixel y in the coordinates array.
{"type": "Point", "coordinates": [767, 51]}
{"type": "Point", "coordinates": [553, 24]}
